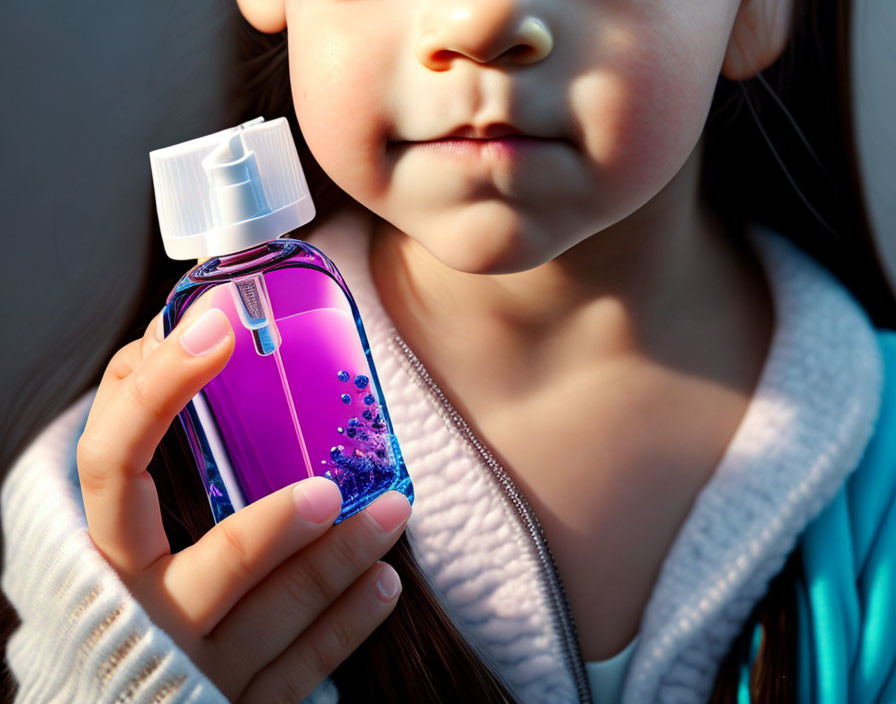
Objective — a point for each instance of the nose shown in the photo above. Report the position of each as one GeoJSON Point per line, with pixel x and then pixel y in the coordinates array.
{"type": "Point", "coordinates": [484, 31]}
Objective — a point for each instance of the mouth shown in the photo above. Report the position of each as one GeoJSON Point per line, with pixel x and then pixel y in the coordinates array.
{"type": "Point", "coordinates": [505, 147]}
{"type": "Point", "coordinates": [510, 145]}
{"type": "Point", "coordinates": [494, 130]}
{"type": "Point", "coordinates": [496, 139]}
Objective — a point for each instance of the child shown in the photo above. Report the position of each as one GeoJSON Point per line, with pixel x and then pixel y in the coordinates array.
{"type": "Point", "coordinates": [649, 438]}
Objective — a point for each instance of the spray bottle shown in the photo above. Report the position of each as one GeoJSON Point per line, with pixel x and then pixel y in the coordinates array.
{"type": "Point", "coordinates": [300, 395]}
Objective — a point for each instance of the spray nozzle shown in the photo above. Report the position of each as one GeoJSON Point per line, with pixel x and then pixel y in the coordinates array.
{"type": "Point", "coordinates": [230, 190]}
{"type": "Point", "coordinates": [234, 182]}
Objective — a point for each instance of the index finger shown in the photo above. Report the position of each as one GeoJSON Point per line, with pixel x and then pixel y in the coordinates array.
{"type": "Point", "coordinates": [120, 499]}
{"type": "Point", "coordinates": [129, 357]}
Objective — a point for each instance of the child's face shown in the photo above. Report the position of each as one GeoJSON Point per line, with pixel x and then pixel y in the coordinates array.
{"type": "Point", "coordinates": [622, 96]}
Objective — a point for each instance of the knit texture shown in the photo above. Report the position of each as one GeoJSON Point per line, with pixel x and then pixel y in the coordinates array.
{"type": "Point", "coordinates": [847, 600]}
{"type": "Point", "coordinates": [803, 433]}
{"type": "Point", "coordinates": [83, 637]}
{"type": "Point", "coordinates": [811, 416]}
{"type": "Point", "coordinates": [812, 413]}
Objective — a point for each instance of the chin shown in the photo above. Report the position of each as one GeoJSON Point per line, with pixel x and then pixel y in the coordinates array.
{"type": "Point", "coordinates": [475, 243]}
{"type": "Point", "coordinates": [485, 254]}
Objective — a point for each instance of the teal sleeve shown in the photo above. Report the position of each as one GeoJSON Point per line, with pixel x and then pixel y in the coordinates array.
{"type": "Point", "coordinates": [847, 604]}
{"type": "Point", "coordinates": [805, 650]}
{"type": "Point", "coordinates": [743, 685]}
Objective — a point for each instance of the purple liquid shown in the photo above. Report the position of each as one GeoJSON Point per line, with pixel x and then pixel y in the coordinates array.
{"type": "Point", "coordinates": [312, 406]}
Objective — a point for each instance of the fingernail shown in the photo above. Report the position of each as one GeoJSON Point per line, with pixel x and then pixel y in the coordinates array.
{"type": "Point", "coordinates": [316, 499]}
{"type": "Point", "coordinates": [390, 511]}
{"type": "Point", "coordinates": [206, 332]}
{"type": "Point", "coordinates": [160, 329]}
{"type": "Point", "coordinates": [388, 584]}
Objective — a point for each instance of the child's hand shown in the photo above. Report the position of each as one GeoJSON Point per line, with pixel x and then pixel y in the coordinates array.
{"type": "Point", "coordinates": [273, 598]}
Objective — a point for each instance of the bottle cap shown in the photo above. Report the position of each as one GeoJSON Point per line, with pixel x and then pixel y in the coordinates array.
{"type": "Point", "coordinates": [230, 190]}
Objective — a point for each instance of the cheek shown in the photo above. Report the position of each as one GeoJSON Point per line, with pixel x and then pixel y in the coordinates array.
{"type": "Point", "coordinates": [332, 78]}
{"type": "Point", "coordinates": [641, 119]}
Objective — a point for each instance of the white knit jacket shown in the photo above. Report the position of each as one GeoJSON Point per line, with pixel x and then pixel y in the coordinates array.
{"type": "Point", "coordinates": [84, 638]}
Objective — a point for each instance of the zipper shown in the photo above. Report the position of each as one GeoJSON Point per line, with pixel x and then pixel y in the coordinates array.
{"type": "Point", "coordinates": [558, 601]}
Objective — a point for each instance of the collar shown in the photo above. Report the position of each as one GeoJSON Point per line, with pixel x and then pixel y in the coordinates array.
{"type": "Point", "coordinates": [812, 413]}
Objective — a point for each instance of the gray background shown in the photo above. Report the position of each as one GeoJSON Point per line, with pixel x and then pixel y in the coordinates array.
{"type": "Point", "coordinates": [874, 80]}
{"type": "Point", "coordinates": [89, 88]}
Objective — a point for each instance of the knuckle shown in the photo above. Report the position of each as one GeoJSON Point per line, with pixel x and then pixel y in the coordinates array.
{"type": "Point", "coordinates": [291, 692]}
{"type": "Point", "coordinates": [91, 456]}
{"type": "Point", "coordinates": [88, 452]}
{"type": "Point", "coordinates": [233, 552]}
{"type": "Point", "coordinates": [349, 549]}
{"type": "Point", "coordinates": [310, 587]}
{"type": "Point", "coordinates": [321, 656]}
{"type": "Point", "coordinates": [139, 389]}
{"type": "Point", "coordinates": [308, 661]}
{"type": "Point", "coordinates": [342, 636]}
{"type": "Point", "coordinates": [100, 460]}
{"type": "Point", "coordinates": [122, 363]}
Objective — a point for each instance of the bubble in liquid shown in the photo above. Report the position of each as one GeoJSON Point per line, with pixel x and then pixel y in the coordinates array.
{"type": "Point", "coordinates": [368, 399]}
{"type": "Point", "coordinates": [343, 375]}
{"type": "Point", "coordinates": [346, 398]}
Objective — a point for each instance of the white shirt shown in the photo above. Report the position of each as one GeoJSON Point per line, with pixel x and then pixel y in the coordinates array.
{"type": "Point", "coordinates": [608, 676]}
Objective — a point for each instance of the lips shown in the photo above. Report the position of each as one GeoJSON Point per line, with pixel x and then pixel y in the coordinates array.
{"type": "Point", "coordinates": [494, 130]}
{"type": "Point", "coordinates": [512, 148]}
{"type": "Point", "coordinates": [494, 141]}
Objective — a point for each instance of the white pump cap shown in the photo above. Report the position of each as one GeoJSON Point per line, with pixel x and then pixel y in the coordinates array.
{"type": "Point", "coordinates": [230, 190]}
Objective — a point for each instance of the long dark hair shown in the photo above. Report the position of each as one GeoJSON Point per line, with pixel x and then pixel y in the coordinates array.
{"type": "Point", "coordinates": [779, 150]}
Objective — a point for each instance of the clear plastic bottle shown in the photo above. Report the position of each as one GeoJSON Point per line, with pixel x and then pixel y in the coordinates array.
{"type": "Point", "coordinates": [300, 395]}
